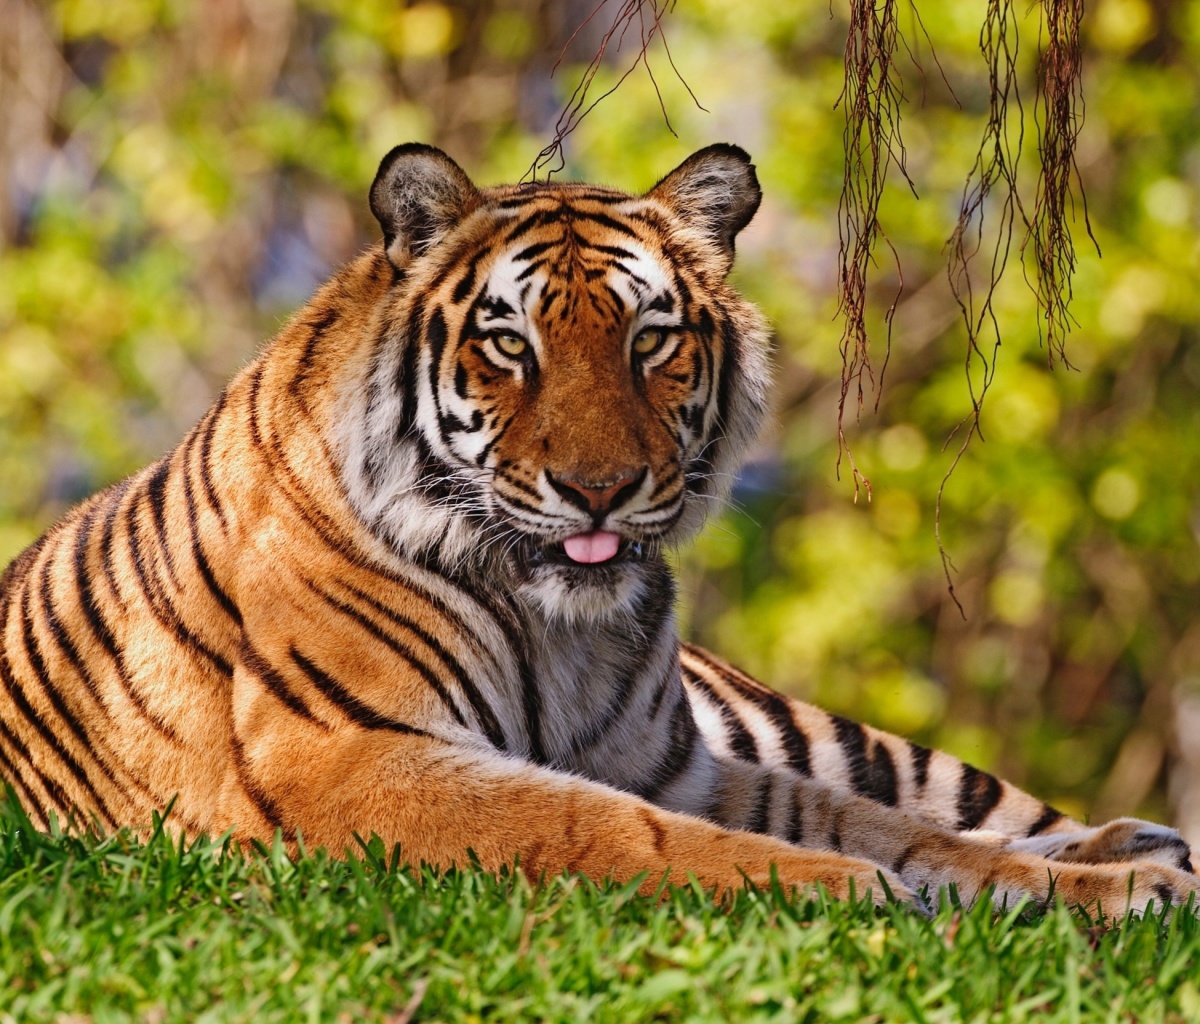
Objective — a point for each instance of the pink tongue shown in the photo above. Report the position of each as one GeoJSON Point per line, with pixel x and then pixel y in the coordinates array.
{"type": "Point", "coordinates": [590, 548]}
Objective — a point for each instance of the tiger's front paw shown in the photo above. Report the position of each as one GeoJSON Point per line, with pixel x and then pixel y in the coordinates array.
{"type": "Point", "coordinates": [1113, 889]}
{"type": "Point", "coordinates": [1116, 889]}
{"type": "Point", "coordinates": [1120, 841]}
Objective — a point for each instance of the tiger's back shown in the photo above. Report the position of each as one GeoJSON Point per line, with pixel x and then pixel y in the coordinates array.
{"type": "Point", "coordinates": [405, 577]}
{"type": "Point", "coordinates": [123, 624]}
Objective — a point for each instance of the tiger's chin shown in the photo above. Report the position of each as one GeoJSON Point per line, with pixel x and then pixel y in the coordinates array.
{"type": "Point", "coordinates": [552, 577]}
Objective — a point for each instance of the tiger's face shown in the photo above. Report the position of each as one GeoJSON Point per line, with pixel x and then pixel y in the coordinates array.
{"type": "Point", "coordinates": [583, 379]}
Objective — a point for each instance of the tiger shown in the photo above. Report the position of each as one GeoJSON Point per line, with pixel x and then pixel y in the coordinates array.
{"type": "Point", "coordinates": [407, 578]}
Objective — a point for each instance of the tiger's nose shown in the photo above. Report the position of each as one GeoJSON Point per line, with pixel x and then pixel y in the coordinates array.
{"type": "Point", "coordinates": [597, 498]}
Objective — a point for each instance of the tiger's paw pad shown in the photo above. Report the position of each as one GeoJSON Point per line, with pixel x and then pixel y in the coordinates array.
{"type": "Point", "coordinates": [1116, 842]}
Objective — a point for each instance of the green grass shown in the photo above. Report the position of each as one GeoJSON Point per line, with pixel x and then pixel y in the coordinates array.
{"type": "Point", "coordinates": [116, 929]}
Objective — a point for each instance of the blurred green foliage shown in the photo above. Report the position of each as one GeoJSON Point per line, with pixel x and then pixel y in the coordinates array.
{"type": "Point", "coordinates": [178, 176]}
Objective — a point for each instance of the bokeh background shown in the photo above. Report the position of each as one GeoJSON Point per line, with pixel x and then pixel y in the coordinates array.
{"type": "Point", "coordinates": [178, 176]}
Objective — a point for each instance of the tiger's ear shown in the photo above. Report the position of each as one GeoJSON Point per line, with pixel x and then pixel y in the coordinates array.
{"type": "Point", "coordinates": [715, 190]}
{"type": "Point", "coordinates": [418, 196]}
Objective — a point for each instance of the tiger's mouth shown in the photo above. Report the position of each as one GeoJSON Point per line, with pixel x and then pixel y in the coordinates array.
{"type": "Point", "coordinates": [592, 551]}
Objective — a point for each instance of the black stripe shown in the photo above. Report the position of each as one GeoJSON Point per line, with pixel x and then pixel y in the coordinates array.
{"type": "Point", "coordinates": [795, 831]}
{"type": "Point", "coordinates": [459, 624]}
{"type": "Point", "coordinates": [605, 220]}
{"type": "Point", "coordinates": [33, 651]}
{"type": "Point", "coordinates": [436, 336]}
{"type": "Point", "coordinates": [760, 817]}
{"type": "Point", "coordinates": [486, 450]}
{"type": "Point", "coordinates": [741, 742]}
{"type": "Point", "coordinates": [317, 328]}
{"type": "Point", "coordinates": [872, 770]}
{"type": "Point", "coordinates": [405, 385]}
{"type": "Point", "coordinates": [376, 460]}
{"type": "Point", "coordinates": [652, 219]}
{"type": "Point", "coordinates": [835, 831]}
{"type": "Point", "coordinates": [609, 250]}
{"type": "Point", "coordinates": [536, 249]}
{"type": "Point", "coordinates": [531, 705]}
{"type": "Point", "coordinates": [19, 566]}
{"type": "Point", "coordinates": [677, 757]}
{"type": "Point", "coordinates": [665, 481]}
{"type": "Point", "coordinates": [450, 423]}
{"type": "Point", "coordinates": [525, 506]}
{"type": "Point", "coordinates": [699, 471]}
{"type": "Point", "coordinates": [670, 680]}
{"type": "Point", "coordinates": [598, 194]}
{"type": "Point", "coordinates": [252, 403]}
{"type": "Point", "coordinates": [1049, 816]}
{"type": "Point", "coordinates": [198, 554]}
{"type": "Point", "coordinates": [62, 638]}
{"type": "Point", "coordinates": [156, 487]}
{"type": "Point", "coordinates": [12, 775]}
{"type": "Point", "coordinates": [537, 218]}
{"type": "Point", "coordinates": [66, 645]}
{"type": "Point", "coordinates": [903, 858]}
{"type": "Point", "coordinates": [537, 194]}
{"type": "Point", "coordinates": [98, 625]}
{"type": "Point", "coordinates": [520, 485]}
{"type": "Point", "coordinates": [210, 428]}
{"type": "Point", "coordinates": [482, 710]}
{"type": "Point", "coordinates": [162, 607]}
{"type": "Point", "coordinates": [389, 641]}
{"type": "Point", "coordinates": [528, 272]}
{"type": "Point", "coordinates": [53, 790]}
{"type": "Point", "coordinates": [463, 288]}
{"type": "Point", "coordinates": [774, 706]}
{"type": "Point", "coordinates": [21, 703]}
{"type": "Point", "coordinates": [618, 303]}
{"type": "Point", "coordinates": [112, 513]}
{"type": "Point", "coordinates": [978, 793]}
{"type": "Point", "coordinates": [353, 708]}
{"type": "Point", "coordinates": [668, 502]}
{"type": "Point", "coordinates": [329, 532]}
{"type": "Point", "coordinates": [267, 807]}
{"type": "Point", "coordinates": [261, 669]}
{"type": "Point", "coordinates": [919, 758]}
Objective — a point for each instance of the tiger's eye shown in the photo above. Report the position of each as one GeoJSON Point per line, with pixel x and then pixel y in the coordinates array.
{"type": "Point", "coordinates": [511, 344]}
{"type": "Point", "coordinates": [649, 340]}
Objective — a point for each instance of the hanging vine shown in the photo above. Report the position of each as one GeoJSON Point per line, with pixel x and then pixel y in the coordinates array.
{"type": "Point", "coordinates": [645, 18]}
{"type": "Point", "coordinates": [871, 97]}
{"type": "Point", "coordinates": [990, 211]}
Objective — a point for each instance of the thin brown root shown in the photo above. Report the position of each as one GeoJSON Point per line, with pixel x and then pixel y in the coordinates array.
{"type": "Point", "coordinates": [1047, 234]}
{"type": "Point", "coordinates": [1059, 115]}
{"type": "Point", "coordinates": [871, 96]}
{"type": "Point", "coordinates": [552, 158]}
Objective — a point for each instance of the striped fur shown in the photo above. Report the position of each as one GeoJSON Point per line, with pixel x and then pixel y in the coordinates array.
{"type": "Point", "coordinates": [347, 601]}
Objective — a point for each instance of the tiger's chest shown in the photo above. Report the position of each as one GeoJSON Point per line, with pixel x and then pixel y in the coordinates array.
{"type": "Point", "coordinates": [600, 701]}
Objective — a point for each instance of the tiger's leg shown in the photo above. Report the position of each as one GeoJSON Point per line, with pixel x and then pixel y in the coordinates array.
{"type": "Point", "coordinates": [339, 767]}
{"type": "Point", "coordinates": [441, 799]}
{"type": "Point", "coordinates": [805, 811]}
{"type": "Point", "coordinates": [746, 720]}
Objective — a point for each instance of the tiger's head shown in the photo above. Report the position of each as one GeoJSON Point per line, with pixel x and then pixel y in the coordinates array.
{"type": "Point", "coordinates": [566, 382]}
